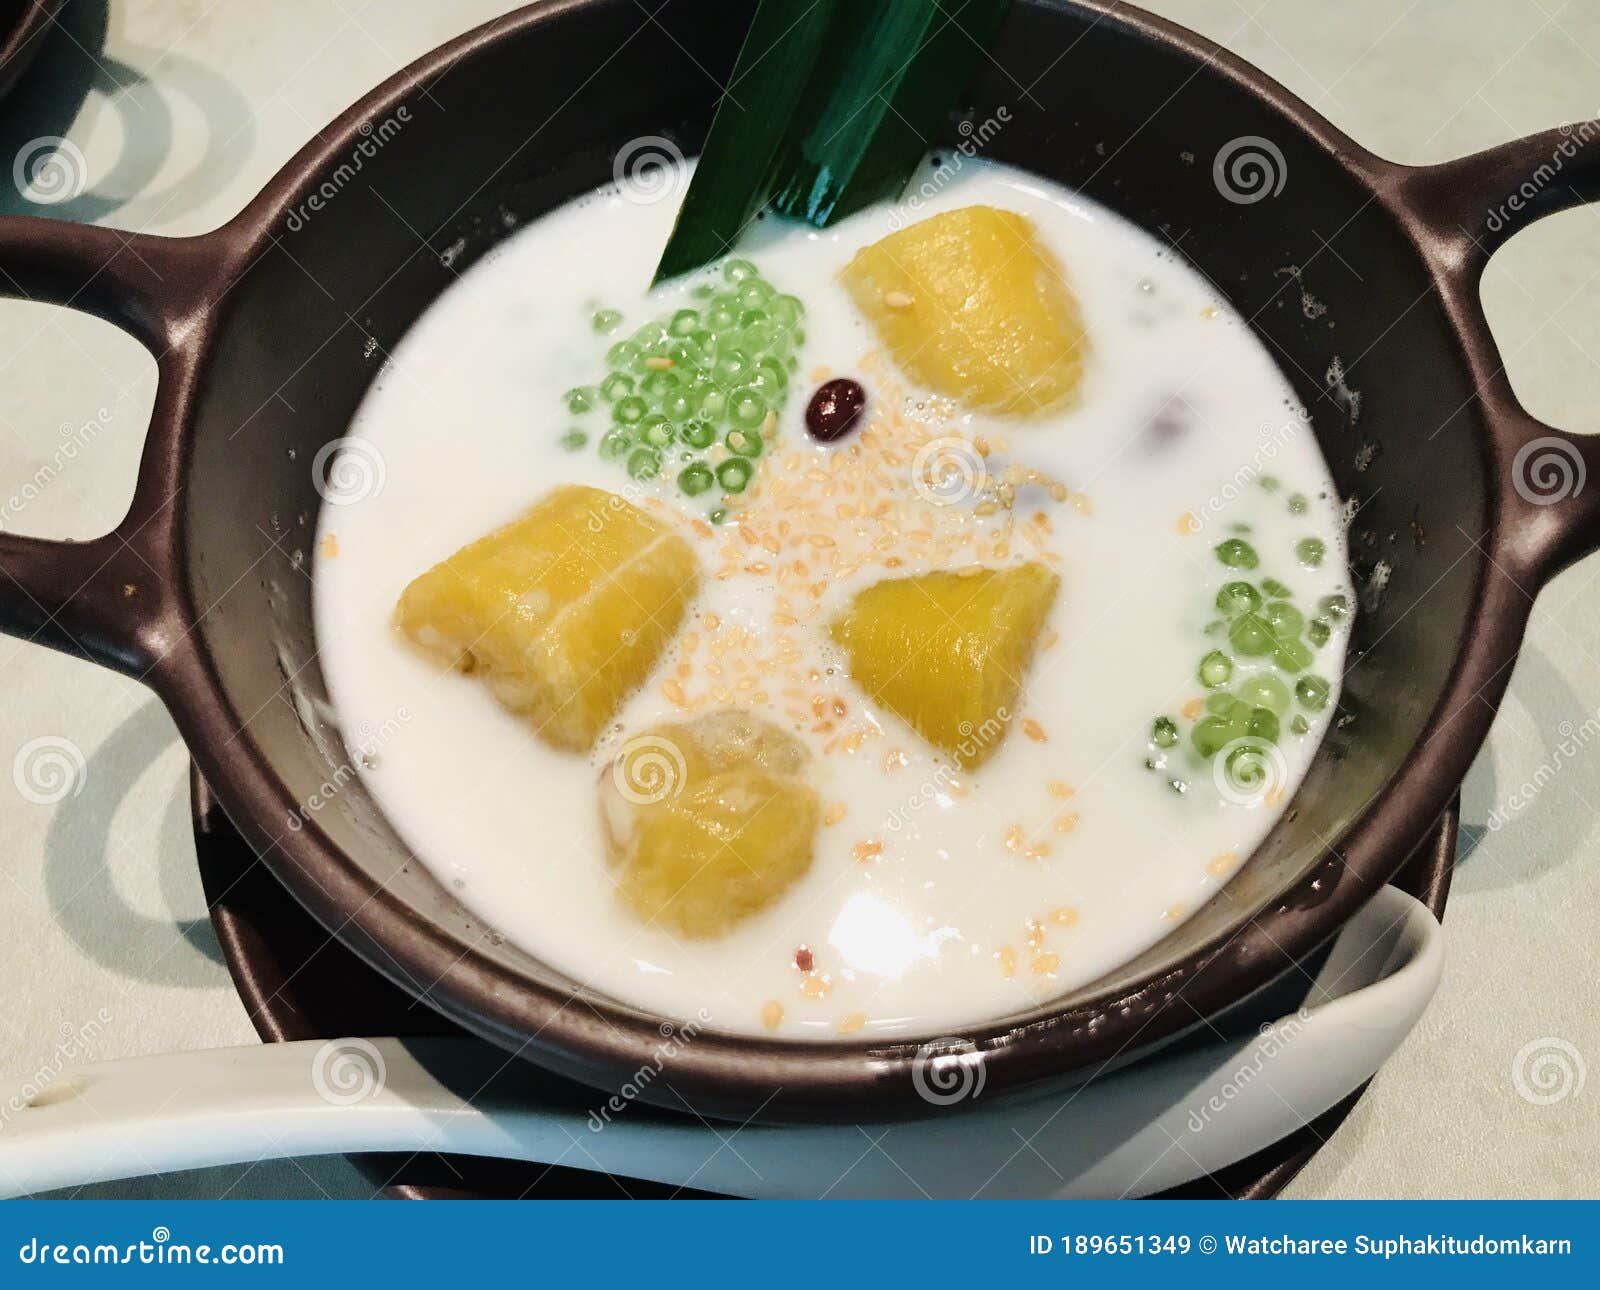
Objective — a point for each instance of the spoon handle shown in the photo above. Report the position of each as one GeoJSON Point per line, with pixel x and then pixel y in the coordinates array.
{"type": "Point", "coordinates": [1165, 1121]}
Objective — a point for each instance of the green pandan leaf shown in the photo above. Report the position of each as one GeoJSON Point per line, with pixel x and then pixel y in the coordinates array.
{"type": "Point", "coordinates": [831, 107]}
{"type": "Point", "coordinates": [738, 166]}
{"type": "Point", "coordinates": [863, 130]}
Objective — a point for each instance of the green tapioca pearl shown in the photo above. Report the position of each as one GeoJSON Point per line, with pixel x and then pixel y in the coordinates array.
{"type": "Point", "coordinates": [1238, 598]}
{"type": "Point", "coordinates": [754, 294]}
{"type": "Point", "coordinates": [786, 311]}
{"type": "Point", "coordinates": [1283, 618]}
{"type": "Point", "coordinates": [656, 432]}
{"type": "Point", "coordinates": [739, 271]}
{"type": "Point", "coordinates": [744, 443]}
{"type": "Point", "coordinates": [1309, 551]}
{"type": "Point", "coordinates": [1335, 606]}
{"type": "Point", "coordinates": [579, 399]}
{"type": "Point", "coordinates": [696, 478]}
{"type": "Point", "coordinates": [1291, 655]}
{"type": "Point", "coordinates": [1264, 692]}
{"type": "Point", "coordinates": [615, 446]}
{"type": "Point", "coordinates": [616, 386]}
{"type": "Point", "coordinates": [722, 314]}
{"type": "Point", "coordinates": [1215, 669]}
{"type": "Point", "coordinates": [1223, 704]}
{"type": "Point", "coordinates": [746, 408]}
{"type": "Point", "coordinates": [644, 463]}
{"type": "Point", "coordinates": [756, 337]}
{"type": "Point", "coordinates": [1275, 589]}
{"type": "Point", "coordinates": [573, 440]}
{"type": "Point", "coordinates": [1164, 732]}
{"type": "Point", "coordinates": [677, 406]}
{"type": "Point", "coordinates": [1299, 724]}
{"type": "Point", "coordinates": [734, 474]}
{"type": "Point", "coordinates": [1318, 631]}
{"type": "Point", "coordinates": [684, 323]}
{"type": "Point", "coordinates": [1212, 734]}
{"type": "Point", "coordinates": [657, 385]}
{"type": "Point", "coordinates": [1312, 692]}
{"type": "Point", "coordinates": [774, 375]}
{"type": "Point", "coordinates": [623, 355]}
{"type": "Point", "coordinates": [1298, 504]}
{"type": "Point", "coordinates": [1262, 723]}
{"type": "Point", "coordinates": [732, 367]}
{"type": "Point", "coordinates": [606, 321]}
{"type": "Point", "coordinates": [1236, 553]}
{"type": "Point", "coordinates": [1250, 635]}
{"type": "Point", "coordinates": [686, 357]}
{"type": "Point", "coordinates": [698, 433]}
{"type": "Point", "coordinates": [649, 336]}
{"type": "Point", "coordinates": [713, 404]}
{"type": "Point", "coordinates": [631, 410]}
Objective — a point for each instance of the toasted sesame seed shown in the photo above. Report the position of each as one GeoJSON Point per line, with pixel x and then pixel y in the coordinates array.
{"type": "Point", "coordinates": [1221, 864]}
{"type": "Point", "coordinates": [658, 363]}
{"type": "Point", "coordinates": [1065, 916]}
{"type": "Point", "coordinates": [1060, 789]}
{"type": "Point", "coordinates": [1193, 708]}
{"type": "Point", "coordinates": [898, 299]}
{"type": "Point", "coordinates": [852, 1023]}
{"type": "Point", "coordinates": [835, 813]}
{"type": "Point", "coordinates": [1066, 823]}
{"type": "Point", "coordinates": [674, 692]}
{"type": "Point", "coordinates": [772, 1014]}
{"type": "Point", "coordinates": [1007, 958]}
{"type": "Point", "coordinates": [868, 850]}
{"type": "Point", "coordinates": [1034, 731]}
{"type": "Point", "coordinates": [1045, 964]}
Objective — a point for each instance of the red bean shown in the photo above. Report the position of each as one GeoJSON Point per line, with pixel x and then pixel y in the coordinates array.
{"type": "Point", "coordinates": [835, 408]}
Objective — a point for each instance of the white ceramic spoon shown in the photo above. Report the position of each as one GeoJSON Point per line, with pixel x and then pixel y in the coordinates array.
{"type": "Point", "coordinates": [1162, 1122]}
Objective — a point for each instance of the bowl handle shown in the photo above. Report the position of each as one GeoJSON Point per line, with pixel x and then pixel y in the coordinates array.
{"type": "Point", "coordinates": [115, 599]}
{"type": "Point", "coordinates": [1466, 210]}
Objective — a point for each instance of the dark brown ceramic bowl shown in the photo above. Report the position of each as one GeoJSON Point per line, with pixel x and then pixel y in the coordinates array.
{"type": "Point", "coordinates": [264, 330]}
{"type": "Point", "coordinates": [23, 27]}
